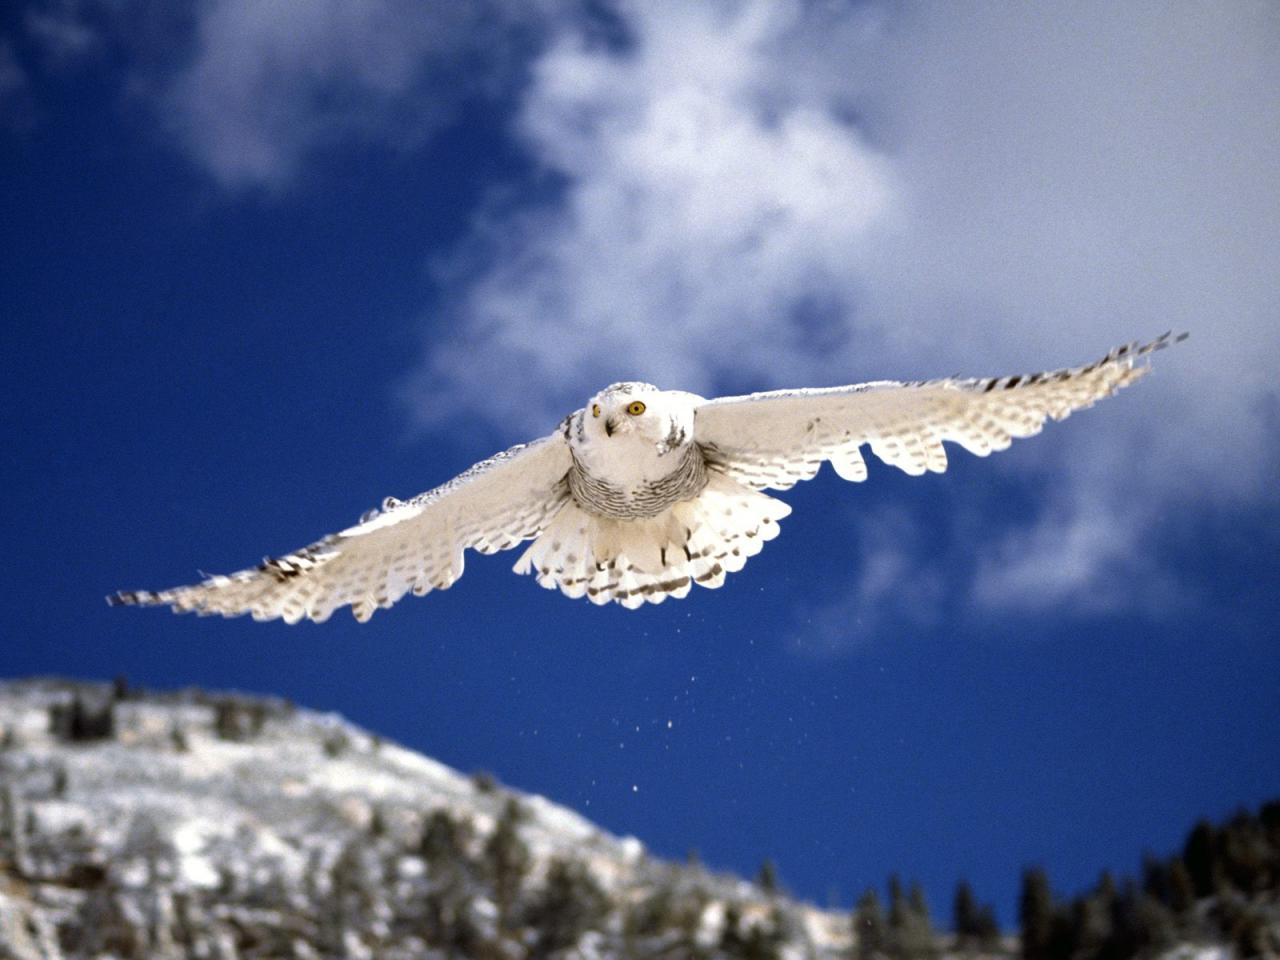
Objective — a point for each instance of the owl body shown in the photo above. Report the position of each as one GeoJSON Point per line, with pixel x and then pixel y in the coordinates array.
{"type": "Point", "coordinates": [646, 519]}
{"type": "Point", "coordinates": [643, 492]}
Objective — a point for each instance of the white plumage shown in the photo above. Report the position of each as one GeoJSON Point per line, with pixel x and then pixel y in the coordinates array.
{"type": "Point", "coordinates": [644, 492]}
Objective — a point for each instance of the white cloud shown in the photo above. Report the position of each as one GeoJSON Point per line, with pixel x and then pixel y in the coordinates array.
{"type": "Point", "coordinates": [1076, 176]}
{"type": "Point", "coordinates": [272, 81]}
{"type": "Point", "coordinates": [62, 30]}
{"type": "Point", "coordinates": [253, 90]}
{"type": "Point", "coordinates": [1083, 555]}
{"type": "Point", "coordinates": [764, 194]}
{"type": "Point", "coordinates": [13, 86]}
{"type": "Point", "coordinates": [708, 232]}
{"type": "Point", "coordinates": [891, 591]}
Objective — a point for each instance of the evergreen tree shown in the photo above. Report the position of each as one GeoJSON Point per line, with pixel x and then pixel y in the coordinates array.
{"type": "Point", "coordinates": [444, 839]}
{"type": "Point", "coordinates": [507, 861]}
{"type": "Point", "coordinates": [1200, 856]}
{"type": "Point", "coordinates": [916, 901]}
{"type": "Point", "coordinates": [1092, 921]}
{"type": "Point", "coordinates": [238, 720]}
{"type": "Point", "coordinates": [1245, 854]}
{"type": "Point", "coordinates": [1250, 933]}
{"type": "Point", "coordinates": [757, 941]}
{"type": "Point", "coordinates": [767, 879]}
{"type": "Point", "coordinates": [569, 904]}
{"type": "Point", "coordinates": [1127, 937]}
{"type": "Point", "coordinates": [446, 915]}
{"type": "Point", "coordinates": [910, 931]}
{"type": "Point", "coordinates": [1035, 914]}
{"type": "Point", "coordinates": [691, 906]}
{"type": "Point", "coordinates": [1182, 891]}
{"type": "Point", "coordinates": [975, 925]}
{"type": "Point", "coordinates": [353, 893]}
{"type": "Point", "coordinates": [897, 903]}
{"type": "Point", "coordinates": [987, 930]}
{"type": "Point", "coordinates": [656, 914]}
{"type": "Point", "coordinates": [870, 929]}
{"type": "Point", "coordinates": [731, 942]}
{"type": "Point", "coordinates": [1157, 922]}
{"type": "Point", "coordinates": [964, 912]}
{"type": "Point", "coordinates": [81, 722]}
{"type": "Point", "coordinates": [764, 940]}
{"type": "Point", "coordinates": [922, 941]}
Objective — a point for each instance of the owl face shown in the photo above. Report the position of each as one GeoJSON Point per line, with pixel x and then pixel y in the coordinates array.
{"type": "Point", "coordinates": [639, 412]}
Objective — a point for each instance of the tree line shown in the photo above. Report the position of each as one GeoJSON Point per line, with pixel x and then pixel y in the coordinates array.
{"type": "Point", "coordinates": [1223, 887]}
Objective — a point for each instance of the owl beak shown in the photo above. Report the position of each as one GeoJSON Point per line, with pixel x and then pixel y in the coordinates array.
{"type": "Point", "coordinates": [610, 425]}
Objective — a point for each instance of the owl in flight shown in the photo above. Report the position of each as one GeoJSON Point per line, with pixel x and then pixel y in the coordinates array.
{"type": "Point", "coordinates": [644, 492]}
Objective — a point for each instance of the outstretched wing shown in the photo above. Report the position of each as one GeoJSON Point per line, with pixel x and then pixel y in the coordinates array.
{"type": "Point", "coordinates": [411, 545]}
{"type": "Point", "coordinates": [772, 440]}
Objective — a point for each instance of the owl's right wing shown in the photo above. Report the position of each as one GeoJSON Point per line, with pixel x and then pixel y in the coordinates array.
{"type": "Point", "coordinates": [407, 545]}
{"type": "Point", "coordinates": [772, 440]}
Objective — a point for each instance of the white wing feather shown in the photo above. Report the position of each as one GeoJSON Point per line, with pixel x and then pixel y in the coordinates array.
{"type": "Point", "coordinates": [772, 440]}
{"type": "Point", "coordinates": [411, 545]}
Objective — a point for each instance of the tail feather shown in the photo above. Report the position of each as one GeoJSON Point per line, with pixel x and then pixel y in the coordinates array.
{"type": "Point", "coordinates": [633, 562]}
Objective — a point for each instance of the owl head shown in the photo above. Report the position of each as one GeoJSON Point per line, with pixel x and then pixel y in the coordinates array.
{"type": "Point", "coordinates": [632, 411]}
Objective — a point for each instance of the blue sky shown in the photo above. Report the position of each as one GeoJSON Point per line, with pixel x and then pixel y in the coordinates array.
{"type": "Point", "coordinates": [264, 264]}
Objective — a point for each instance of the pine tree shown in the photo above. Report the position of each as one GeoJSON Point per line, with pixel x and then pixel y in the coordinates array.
{"type": "Point", "coordinates": [1092, 921]}
{"type": "Point", "coordinates": [910, 931]}
{"type": "Point", "coordinates": [917, 939]}
{"type": "Point", "coordinates": [446, 918]}
{"type": "Point", "coordinates": [764, 940]}
{"type": "Point", "coordinates": [691, 906]}
{"type": "Point", "coordinates": [655, 914]}
{"type": "Point", "coordinates": [756, 942]}
{"type": "Point", "coordinates": [507, 861]}
{"type": "Point", "coordinates": [767, 879]}
{"type": "Point", "coordinates": [1200, 856]}
{"type": "Point", "coordinates": [80, 722]}
{"type": "Point", "coordinates": [1158, 924]}
{"type": "Point", "coordinates": [964, 911]}
{"type": "Point", "coordinates": [731, 942]}
{"type": "Point", "coordinates": [974, 924]}
{"type": "Point", "coordinates": [870, 929]}
{"type": "Point", "coordinates": [897, 903]}
{"type": "Point", "coordinates": [1182, 890]}
{"type": "Point", "coordinates": [1035, 914]}
{"type": "Point", "coordinates": [987, 929]}
{"type": "Point", "coordinates": [569, 904]}
{"type": "Point", "coordinates": [444, 839]}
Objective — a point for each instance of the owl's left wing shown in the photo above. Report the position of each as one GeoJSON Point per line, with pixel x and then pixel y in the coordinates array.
{"type": "Point", "coordinates": [407, 545]}
{"type": "Point", "coordinates": [772, 440]}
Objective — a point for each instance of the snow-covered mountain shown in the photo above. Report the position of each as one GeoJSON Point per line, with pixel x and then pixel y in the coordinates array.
{"type": "Point", "coordinates": [204, 825]}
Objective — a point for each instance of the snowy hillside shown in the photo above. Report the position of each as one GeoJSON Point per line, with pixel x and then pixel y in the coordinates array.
{"type": "Point", "coordinates": [224, 827]}
{"type": "Point", "coordinates": [198, 825]}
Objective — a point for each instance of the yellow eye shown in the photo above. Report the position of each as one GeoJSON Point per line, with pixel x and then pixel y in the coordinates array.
{"type": "Point", "coordinates": [635, 408]}
{"type": "Point", "coordinates": [595, 409]}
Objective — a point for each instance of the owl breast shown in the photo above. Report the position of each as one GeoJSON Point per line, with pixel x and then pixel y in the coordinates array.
{"type": "Point", "coordinates": [596, 492]}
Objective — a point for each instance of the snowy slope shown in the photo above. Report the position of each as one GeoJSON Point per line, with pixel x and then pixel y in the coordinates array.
{"type": "Point", "coordinates": [203, 825]}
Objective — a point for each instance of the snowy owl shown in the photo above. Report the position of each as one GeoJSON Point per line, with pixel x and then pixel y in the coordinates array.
{"type": "Point", "coordinates": [644, 492]}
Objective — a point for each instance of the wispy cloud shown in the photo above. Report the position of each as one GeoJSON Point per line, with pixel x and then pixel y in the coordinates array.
{"type": "Point", "coordinates": [14, 86]}
{"type": "Point", "coordinates": [709, 231]}
{"type": "Point", "coordinates": [270, 83]}
{"type": "Point", "coordinates": [63, 30]}
{"type": "Point", "coordinates": [899, 584]}
{"type": "Point", "coordinates": [762, 194]}
{"type": "Point", "coordinates": [252, 91]}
